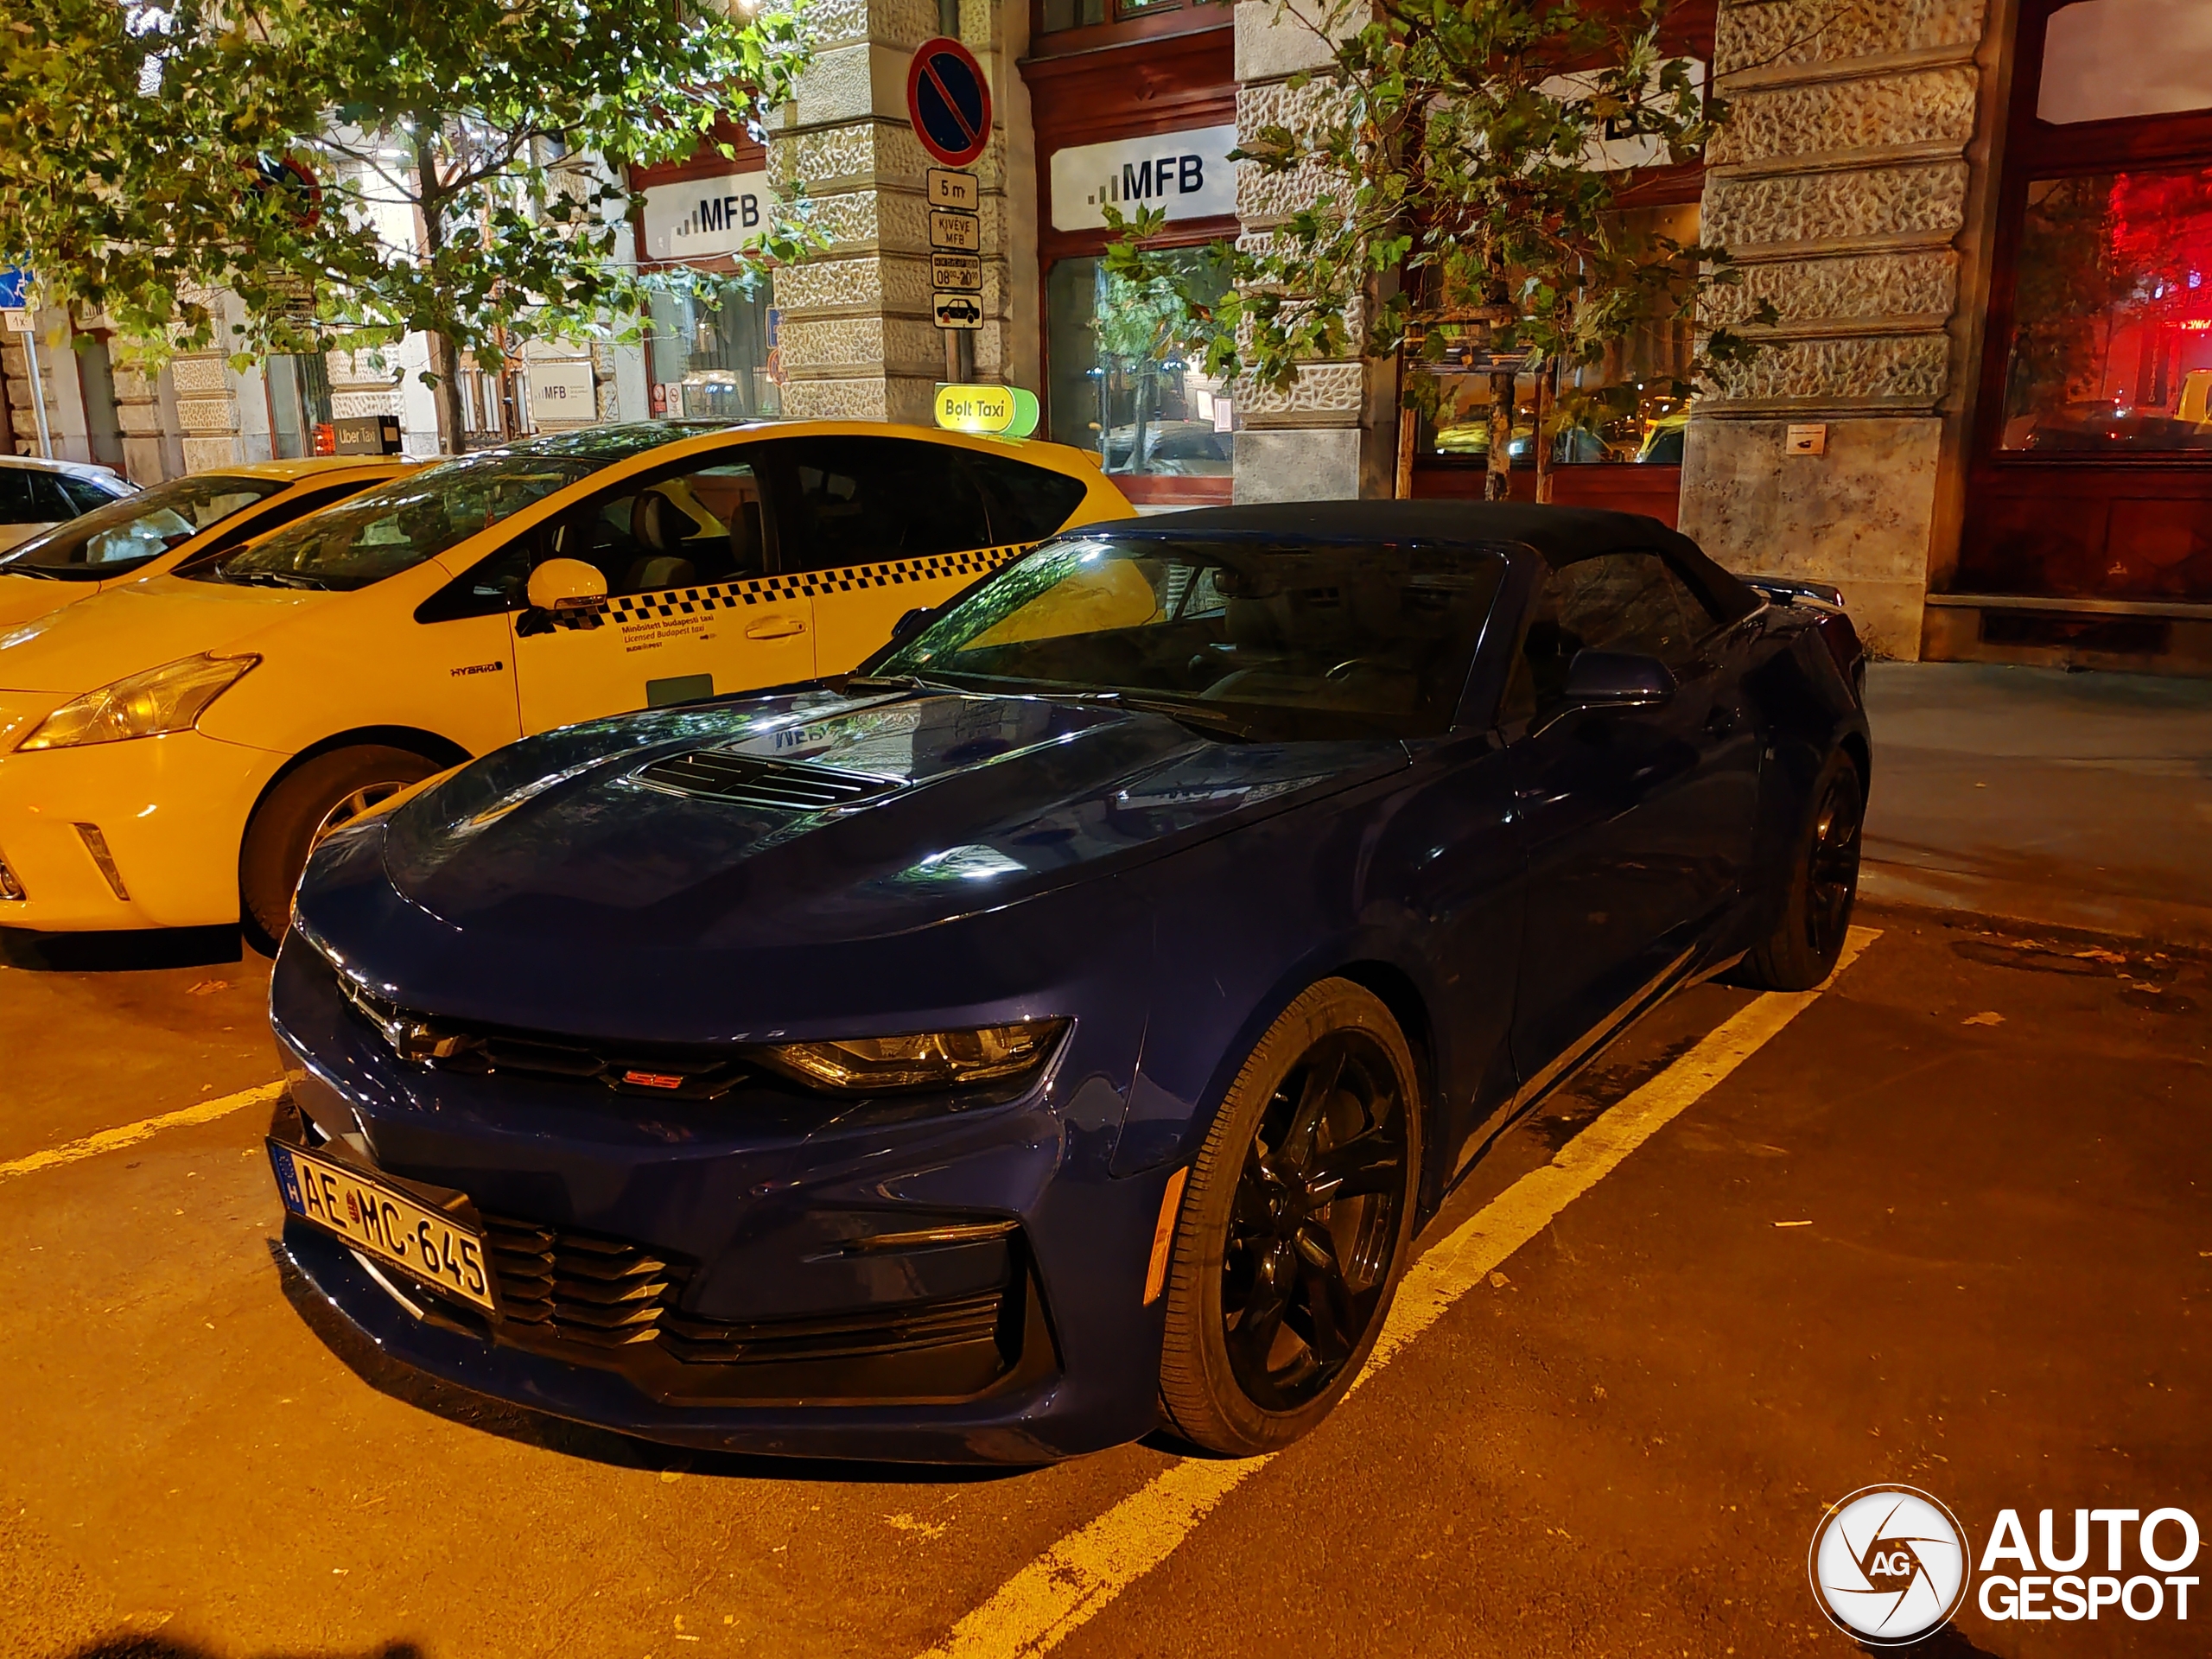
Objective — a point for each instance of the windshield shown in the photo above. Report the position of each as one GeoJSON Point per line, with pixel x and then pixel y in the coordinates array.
{"type": "Point", "coordinates": [115, 539]}
{"type": "Point", "coordinates": [396, 526]}
{"type": "Point", "coordinates": [1248, 634]}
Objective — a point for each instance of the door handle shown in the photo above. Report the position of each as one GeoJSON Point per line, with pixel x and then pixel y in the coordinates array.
{"type": "Point", "coordinates": [775, 628]}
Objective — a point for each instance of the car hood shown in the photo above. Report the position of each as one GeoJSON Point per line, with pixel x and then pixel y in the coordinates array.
{"type": "Point", "coordinates": [26, 599]}
{"type": "Point", "coordinates": [575, 841]}
{"type": "Point", "coordinates": [137, 625]}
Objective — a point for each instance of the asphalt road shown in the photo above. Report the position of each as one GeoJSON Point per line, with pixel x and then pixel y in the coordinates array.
{"type": "Point", "coordinates": [1951, 1226]}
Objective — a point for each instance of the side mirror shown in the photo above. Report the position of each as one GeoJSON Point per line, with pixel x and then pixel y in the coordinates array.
{"type": "Point", "coordinates": [1618, 679]}
{"type": "Point", "coordinates": [566, 585]}
{"type": "Point", "coordinates": [911, 624]}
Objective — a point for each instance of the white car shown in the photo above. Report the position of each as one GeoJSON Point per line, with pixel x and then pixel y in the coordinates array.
{"type": "Point", "coordinates": [35, 495]}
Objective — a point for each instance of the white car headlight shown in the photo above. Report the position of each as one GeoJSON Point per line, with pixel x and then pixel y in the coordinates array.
{"type": "Point", "coordinates": [166, 699]}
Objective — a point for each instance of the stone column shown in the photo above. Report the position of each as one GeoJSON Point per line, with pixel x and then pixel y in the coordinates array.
{"type": "Point", "coordinates": [1842, 186]}
{"type": "Point", "coordinates": [208, 411]}
{"type": "Point", "coordinates": [857, 338]}
{"type": "Point", "coordinates": [1330, 436]}
{"type": "Point", "coordinates": [138, 412]}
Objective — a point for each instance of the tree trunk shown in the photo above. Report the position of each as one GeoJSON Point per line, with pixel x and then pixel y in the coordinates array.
{"type": "Point", "coordinates": [445, 360]}
{"type": "Point", "coordinates": [1499, 479]}
{"type": "Point", "coordinates": [1542, 445]}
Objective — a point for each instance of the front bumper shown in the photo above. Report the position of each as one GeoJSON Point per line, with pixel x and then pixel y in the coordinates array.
{"type": "Point", "coordinates": [794, 1310]}
{"type": "Point", "coordinates": [167, 812]}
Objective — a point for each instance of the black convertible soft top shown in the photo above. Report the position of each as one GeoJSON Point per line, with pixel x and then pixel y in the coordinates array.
{"type": "Point", "coordinates": [1560, 535]}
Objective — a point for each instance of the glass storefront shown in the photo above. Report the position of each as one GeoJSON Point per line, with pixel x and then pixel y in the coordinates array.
{"type": "Point", "coordinates": [299, 401]}
{"type": "Point", "coordinates": [2111, 352]}
{"type": "Point", "coordinates": [1652, 358]}
{"type": "Point", "coordinates": [712, 356]}
{"type": "Point", "coordinates": [1119, 387]}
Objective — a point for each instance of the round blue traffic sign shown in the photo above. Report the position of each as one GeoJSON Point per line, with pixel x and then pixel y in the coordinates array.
{"type": "Point", "coordinates": [949, 102]}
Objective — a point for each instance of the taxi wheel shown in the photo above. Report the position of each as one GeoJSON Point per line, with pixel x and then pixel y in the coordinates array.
{"type": "Point", "coordinates": [324, 795]}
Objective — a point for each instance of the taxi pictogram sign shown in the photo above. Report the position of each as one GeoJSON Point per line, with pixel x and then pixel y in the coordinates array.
{"type": "Point", "coordinates": [949, 101]}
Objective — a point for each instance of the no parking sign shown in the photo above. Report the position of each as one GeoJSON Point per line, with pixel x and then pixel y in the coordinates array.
{"type": "Point", "coordinates": [949, 101]}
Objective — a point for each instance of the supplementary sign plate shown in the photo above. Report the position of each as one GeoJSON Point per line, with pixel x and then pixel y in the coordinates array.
{"type": "Point", "coordinates": [962, 272]}
{"type": "Point", "coordinates": [957, 310]}
{"type": "Point", "coordinates": [961, 232]}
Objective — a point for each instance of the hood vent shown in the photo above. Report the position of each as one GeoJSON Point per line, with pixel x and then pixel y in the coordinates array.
{"type": "Point", "coordinates": [749, 781]}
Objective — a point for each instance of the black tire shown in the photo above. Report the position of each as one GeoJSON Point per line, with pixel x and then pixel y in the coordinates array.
{"type": "Point", "coordinates": [1253, 1251]}
{"type": "Point", "coordinates": [1823, 887]}
{"type": "Point", "coordinates": [302, 810]}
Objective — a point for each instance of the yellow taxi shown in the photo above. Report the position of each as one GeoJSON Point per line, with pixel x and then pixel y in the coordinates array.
{"type": "Point", "coordinates": [153, 530]}
{"type": "Point", "coordinates": [172, 749]}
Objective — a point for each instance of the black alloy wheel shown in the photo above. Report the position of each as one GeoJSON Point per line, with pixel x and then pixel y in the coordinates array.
{"type": "Point", "coordinates": [1315, 1223]}
{"type": "Point", "coordinates": [1822, 887]}
{"type": "Point", "coordinates": [1295, 1225]}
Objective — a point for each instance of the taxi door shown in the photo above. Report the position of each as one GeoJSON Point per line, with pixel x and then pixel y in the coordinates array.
{"type": "Point", "coordinates": [691, 611]}
{"type": "Point", "coordinates": [870, 528]}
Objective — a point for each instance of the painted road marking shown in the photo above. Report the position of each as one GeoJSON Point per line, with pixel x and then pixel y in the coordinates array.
{"type": "Point", "coordinates": [1048, 1600]}
{"type": "Point", "coordinates": [145, 1130]}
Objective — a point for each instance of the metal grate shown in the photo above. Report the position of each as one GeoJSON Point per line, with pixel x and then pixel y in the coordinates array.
{"type": "Point", "coordinates": [749, 781]}
{"type": "Point", "coordinates": [852, 1336]}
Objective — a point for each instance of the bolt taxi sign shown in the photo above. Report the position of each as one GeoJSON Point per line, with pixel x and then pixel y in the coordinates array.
{"type": "Point", "coordinates": [949, 101]}
{"type": "Point", "coordinates": [1000, 411]}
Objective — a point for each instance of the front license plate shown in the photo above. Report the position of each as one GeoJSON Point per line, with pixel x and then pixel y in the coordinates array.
{"type": "Point", "coordinates": [383, 1221]}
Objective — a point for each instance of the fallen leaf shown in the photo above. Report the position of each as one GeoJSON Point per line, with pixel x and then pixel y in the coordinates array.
{"type": "Point", "coordinates": [2096, 954]}
{"type": "Point", "coordinates": [1987, 1017]}
{"type": "Point", "coordinates": [1498, 1281]}
{"type": "Point", "coordinates": [208, 987]}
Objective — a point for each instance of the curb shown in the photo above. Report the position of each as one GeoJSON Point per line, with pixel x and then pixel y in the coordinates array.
{"type": "Point", "coordinates": [1913, 886]}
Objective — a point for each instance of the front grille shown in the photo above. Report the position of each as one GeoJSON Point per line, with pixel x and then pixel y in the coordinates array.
{"type": "Point", "coordinates": [682, 1074]}
{"type": "Point", "coordinates": [580, 1289]}
{"type": "Point", "coordinates": [748, 780]}
{"type": "Point", "coordinates": [602, 1293]}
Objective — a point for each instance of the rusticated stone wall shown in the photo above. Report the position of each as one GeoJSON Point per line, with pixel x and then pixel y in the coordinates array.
{"type": "Point", "coordinates": [1319, 440]}
{"type": "Point", "coordinates": [856, 337]}
{"type": "Point", "coordinates": [1843, 188]}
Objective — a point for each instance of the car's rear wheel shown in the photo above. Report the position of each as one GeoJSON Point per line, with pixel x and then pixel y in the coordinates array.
{"type": "Point", "coordinates": [1293, 1226]}
{"type": "Point", "coordinates": [323, 796]}
{"type": "Point", "coordinates": [1823, 887]}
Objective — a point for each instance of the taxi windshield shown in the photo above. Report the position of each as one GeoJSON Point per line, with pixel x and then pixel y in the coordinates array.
{"type": "Point", "coordinates": [397, 525]}
{"type": "Point", "coordinates": [1261, 638]}
{"type": "Point", "coordinates": [117, 539]}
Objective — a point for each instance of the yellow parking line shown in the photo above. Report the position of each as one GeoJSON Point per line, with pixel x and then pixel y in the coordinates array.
{"type": "Point", "coordinates": [145, 1130]}
{"type": "Point", "coordinates": [1045, 1602]}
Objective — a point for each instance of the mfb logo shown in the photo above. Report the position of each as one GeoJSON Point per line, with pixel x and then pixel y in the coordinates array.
{"type": "Point", "coordinates": [1185, 175]}
{"type": "Point", "coordinates": [717, 214]}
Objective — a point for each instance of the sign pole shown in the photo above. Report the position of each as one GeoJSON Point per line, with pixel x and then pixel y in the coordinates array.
{"type": "Point", "coordinates": [38, 387]}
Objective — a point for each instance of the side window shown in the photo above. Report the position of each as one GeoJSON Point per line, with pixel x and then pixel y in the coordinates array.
{"type": "Point", "coordinates": [1027, 503]}
{"type": "Point", "coordinates": [866, 500]}
{"type": "Point", "coordinates": [698, 524]}
{"type": "Point", "coordinates": [1618, 602]}
{"type": "Point", "coordinates": [85, 495]}
{"type": "Point", "coordinates": [18, 506]}
{"type": "Point", "coordinates": [49, 501]}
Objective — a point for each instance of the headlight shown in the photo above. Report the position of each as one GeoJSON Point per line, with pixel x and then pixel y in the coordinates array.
{"type": "Point", "coordinates": [929, 1060]}
{"type": "Point", "coordinates": [165, 699]}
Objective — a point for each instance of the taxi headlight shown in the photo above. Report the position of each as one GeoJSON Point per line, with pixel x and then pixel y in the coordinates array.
{"type": "Point", "coordinates": [166, 699]}
{"type": "Point", "coordinates": [928, 1059]}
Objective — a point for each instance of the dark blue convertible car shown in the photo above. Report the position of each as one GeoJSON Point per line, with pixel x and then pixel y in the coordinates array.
{"type": "Point", "coordinates": [1062, 1027]}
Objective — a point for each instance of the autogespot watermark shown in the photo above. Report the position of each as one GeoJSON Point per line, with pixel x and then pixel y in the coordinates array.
{"type": "Point", "coordinates": [1891, 1563]}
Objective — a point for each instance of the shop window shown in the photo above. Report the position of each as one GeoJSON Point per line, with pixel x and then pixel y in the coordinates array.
{"type": "Point", "coordinates": [1653, 358]}
{"type": "Point", "coordinates": [1053, 16]}
{"type": "Point", "coordinates": [299, 401]}
{"type": "Point", "coordinates": [1120, 387]}
{"type": "Point", "coordinates": [713, 354]}
{"type": "Point", "coordinates": [2104, 60]}
{"type": "Point", "coordinates": [2111, 352]}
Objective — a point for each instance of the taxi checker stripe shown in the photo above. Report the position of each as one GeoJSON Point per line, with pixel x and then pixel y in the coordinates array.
{"type": "Point", "coordinates": [767, 590]}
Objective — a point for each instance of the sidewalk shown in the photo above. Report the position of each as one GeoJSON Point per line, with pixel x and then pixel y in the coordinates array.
{"type": "Point", "coordinates": [2044, 798]}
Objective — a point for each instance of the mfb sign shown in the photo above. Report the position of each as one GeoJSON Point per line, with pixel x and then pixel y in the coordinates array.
{"type": "Point", "coordinates": [702, 216]}
{"type": "Point", "coordinates": [1188, 174]}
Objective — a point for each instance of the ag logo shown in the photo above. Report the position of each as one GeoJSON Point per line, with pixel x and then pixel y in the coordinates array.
{"type": "Point", "coordinates": [1889, 1564]}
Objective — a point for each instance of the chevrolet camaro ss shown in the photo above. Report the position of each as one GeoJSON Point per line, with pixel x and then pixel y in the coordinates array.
{"type": "Point", "coordinates": [1060, 1026]}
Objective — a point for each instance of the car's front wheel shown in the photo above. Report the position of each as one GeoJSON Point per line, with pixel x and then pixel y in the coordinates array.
{"type": "Point", "coordinates": [1295, 1225]}
{"type": "Point", "coordinates": [1823, 887]}
{"type": "Point", "coordinates": [323, 795]}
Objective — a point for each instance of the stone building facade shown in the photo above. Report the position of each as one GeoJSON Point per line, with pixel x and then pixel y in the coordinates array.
{"type": "Point", "coordinates": [1885, 182]}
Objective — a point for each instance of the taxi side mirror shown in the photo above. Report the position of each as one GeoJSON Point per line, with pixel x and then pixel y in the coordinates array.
{"type": "Point", "coordinates": [566, 585]}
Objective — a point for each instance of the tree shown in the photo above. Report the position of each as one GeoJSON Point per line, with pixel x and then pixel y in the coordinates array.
{"type": "Point", "coordinates": [357, 171]}
{"type": "Point", "coordinates": [1472, 157]}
